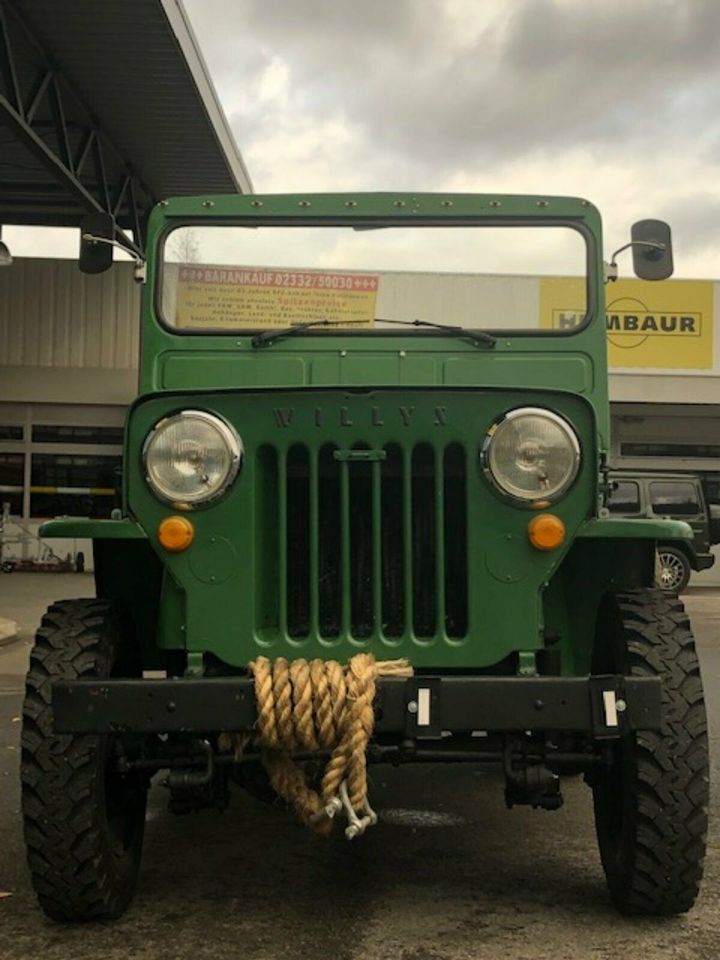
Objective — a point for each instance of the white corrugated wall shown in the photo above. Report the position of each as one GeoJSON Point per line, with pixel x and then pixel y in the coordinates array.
{"type": "Point", "coordinates": [51, 315]}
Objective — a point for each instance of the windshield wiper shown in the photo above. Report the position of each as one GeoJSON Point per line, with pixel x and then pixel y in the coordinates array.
{"type": "Point", "coordinates": [267, 337]}
{"type": "Point", "coordinates": [479, 336]}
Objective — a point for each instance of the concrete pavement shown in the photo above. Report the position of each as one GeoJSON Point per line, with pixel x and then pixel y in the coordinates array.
{"type": "Point", "coordinates": [8, 631]}
{"type": "Point", "coordinates": [448, 874]}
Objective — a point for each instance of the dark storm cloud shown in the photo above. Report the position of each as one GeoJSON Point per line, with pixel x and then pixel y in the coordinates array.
{"type": "Point", "coordinates": [542, 77]}
{"type": "Point", "coordinates": [430, 93]}
{"type": "Point", "coordinates": [695, 223]}
{"type": "Point", "coordinates": [608, 71]}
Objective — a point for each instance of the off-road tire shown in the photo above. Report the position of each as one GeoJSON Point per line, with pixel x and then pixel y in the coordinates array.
{"type": "Point", "coordinates": [678, 567]}
{"type": "Point", "coordinates": [83, 822]}
{"type": "Point", "coordinates": [651, 804]}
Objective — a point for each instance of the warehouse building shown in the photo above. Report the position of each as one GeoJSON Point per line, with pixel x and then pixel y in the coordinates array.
{"type": "Point", "coordinates": [105, 108]}
{"type": "Point", "coordinates": [78, 142]}
{"type": "Point", "coordinates": [68, 368]}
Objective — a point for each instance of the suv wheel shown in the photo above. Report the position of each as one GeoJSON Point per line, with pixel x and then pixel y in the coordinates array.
{"type": "Point", "coordinates": [674, 570]}
{"type": "Point", "coordinates": [651, 800]}
{"type": "Point", "coordinates": [83, 820]}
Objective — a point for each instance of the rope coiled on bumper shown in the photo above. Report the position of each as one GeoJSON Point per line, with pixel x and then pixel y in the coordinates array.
{"type": "Point", "coordinates": [318, 706]}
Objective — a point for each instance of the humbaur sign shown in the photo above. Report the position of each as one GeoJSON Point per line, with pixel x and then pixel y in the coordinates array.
{"type": "Point", "coordinates": [663, 325]}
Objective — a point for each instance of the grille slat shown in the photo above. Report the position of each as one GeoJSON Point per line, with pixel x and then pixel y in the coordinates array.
{"type": "Point", "coordinates": [371, 544]}
{"type": "Point", "coordinates": [346, 597]}
{"type": "Point", "coordinates": [330, 586]}
{"type": "Point", "coordinates": [424, 544]}
{"type": "Point", "coordinates": [314, 494]}
{"type": "Point", "coordinates": [282, 541]}
{"type": "Point", "coordinates": [377, 604]}
{"type": "Point", "coordinates": [407, 479]}
{"type": "Point", "coordinates": [439, 541]}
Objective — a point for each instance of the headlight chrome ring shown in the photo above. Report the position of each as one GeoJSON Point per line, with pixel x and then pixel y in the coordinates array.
{"type": "Point", "coordinates": [531, 455]}
{"type": "Point", "coordinates": [191, 458]}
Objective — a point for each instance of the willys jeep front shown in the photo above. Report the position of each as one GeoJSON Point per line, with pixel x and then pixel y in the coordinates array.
{"type": "Point", "coordinates": [370, 429]}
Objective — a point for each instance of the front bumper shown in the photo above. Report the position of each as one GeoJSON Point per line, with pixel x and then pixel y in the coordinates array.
{"type": "Point", "coordinates": [423, 707]}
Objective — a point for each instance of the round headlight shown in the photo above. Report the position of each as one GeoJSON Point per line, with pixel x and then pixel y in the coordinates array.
{"type": "Point", "coordinates": [191, 457]}
{"type": "Point", "coordinates": [532, 454]}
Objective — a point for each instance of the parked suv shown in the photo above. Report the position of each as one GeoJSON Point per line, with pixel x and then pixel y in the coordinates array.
{"type": "Point", "coordinates": [676, 495]}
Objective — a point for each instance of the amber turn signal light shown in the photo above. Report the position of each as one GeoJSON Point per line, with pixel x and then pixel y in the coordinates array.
{"type": "Point", "coordinates": [175, 533]}
{"type": "Point", "coordinates": [546, 531]}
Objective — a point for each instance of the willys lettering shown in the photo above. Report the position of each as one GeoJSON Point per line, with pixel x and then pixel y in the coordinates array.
{"type": "Point", "coordinates": [373, 416]}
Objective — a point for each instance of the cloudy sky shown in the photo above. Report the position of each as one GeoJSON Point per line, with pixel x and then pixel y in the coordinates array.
{"type": "Point", "coordinates": [618, 102]}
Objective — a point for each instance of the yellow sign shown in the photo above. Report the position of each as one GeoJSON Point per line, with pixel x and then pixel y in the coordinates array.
{"type": "Point", "coordinates": [233, 298]}
{"type": "Point", "coordinates": [665, 325]}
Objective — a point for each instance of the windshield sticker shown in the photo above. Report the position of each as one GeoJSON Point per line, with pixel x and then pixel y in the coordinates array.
{"type": "Point", "coordinates": [260, 297]}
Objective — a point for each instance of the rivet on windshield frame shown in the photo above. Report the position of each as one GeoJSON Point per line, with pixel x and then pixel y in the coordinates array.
{"type": "Point", "coordinates": [256, 203]}
{"type": "Point", "coordinates": [494, 203]}
{"type": "Point", "coordinates": [350, 203]}
{"type": "Point", "coordinates": [401, 354]}
{"type": "Point", "coordinates": [163, 203]}
{"type": "Point", "coordinates": [541, 203]}
{"type": "Point", "coordinates": [303, 203]}
{"type": "Point", "coordinates": [343, 353]}
{"type": "Point", "coordinates": [398, 203]}
{"type": "Point", "coordinates": [446, 203]}
{"type": "Point", "coordinates": [208, 203]}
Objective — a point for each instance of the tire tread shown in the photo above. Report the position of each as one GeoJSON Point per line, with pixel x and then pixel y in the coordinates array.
{"type": "Point", "coordinates": [63, 824]}
{"type": "Point", "coordinates": [671, 787]}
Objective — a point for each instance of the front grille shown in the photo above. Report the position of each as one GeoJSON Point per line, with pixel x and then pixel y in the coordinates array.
{"type": "Point", "coordinates": [362, 543]}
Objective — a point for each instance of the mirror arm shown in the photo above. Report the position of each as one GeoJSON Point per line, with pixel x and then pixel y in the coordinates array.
{"type": "Point", "coordinates": [140, 264]}
{"type": "Point", "coordinates": [637, 243]}
{"type": "Point", "coordinates": [610, 272]}
{"type": "Point", "coordinates": [611, 269]}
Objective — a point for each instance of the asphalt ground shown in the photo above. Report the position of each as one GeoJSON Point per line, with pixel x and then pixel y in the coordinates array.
{"type": "Point", "coordinates": [448, 873]}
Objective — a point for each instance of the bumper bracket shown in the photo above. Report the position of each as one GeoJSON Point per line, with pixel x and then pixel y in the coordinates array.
{"type": "Point", "coordinates": [421, 707]}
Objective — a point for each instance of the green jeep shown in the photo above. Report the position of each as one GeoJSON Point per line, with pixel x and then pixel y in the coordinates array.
{"type": "Point", "coordinates": [368, 424]}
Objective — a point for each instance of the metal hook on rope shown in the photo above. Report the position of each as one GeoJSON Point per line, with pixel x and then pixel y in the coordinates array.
{"type": "Point", "coordinates": [356, 825]}
{"type": "Point", "coordinates": [319, 706]}
{"type": "Point", "coordinates": [331, 808]}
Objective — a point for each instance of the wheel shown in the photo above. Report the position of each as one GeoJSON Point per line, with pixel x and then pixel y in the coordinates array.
{"type": "Point", "coordinates": [674, 570]}
{"type": "Point", "coordinates": [83, 821]}
{"type": "Point", "coordinates": [651, 800]}
{"type": "Point", "coordinates": [7, 566]}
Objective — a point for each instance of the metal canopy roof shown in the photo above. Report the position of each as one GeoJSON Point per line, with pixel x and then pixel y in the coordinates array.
{"type": "Point", "coordinates": [106, 106]}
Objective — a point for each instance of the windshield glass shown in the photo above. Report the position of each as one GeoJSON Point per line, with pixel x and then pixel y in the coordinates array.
{"type": "Point", "coordinates": [499, 279]}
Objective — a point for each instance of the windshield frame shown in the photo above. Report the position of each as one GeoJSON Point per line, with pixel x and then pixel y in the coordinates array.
{"type": "Point", "coordinates": [380, 222]}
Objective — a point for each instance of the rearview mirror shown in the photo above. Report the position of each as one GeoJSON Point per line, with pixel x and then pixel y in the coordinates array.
{"type": "Point", "coordinates": [652, 250]}
{"type": "Point", "coordinates": [97, 231]}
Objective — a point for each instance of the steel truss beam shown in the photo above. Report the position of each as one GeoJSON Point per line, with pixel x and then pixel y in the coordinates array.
{"type": "Point", "coordinates": [23, 92]}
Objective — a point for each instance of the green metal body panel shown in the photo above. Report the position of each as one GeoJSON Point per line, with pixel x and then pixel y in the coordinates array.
{"type": "Point", "coordinates": [92, 529]}
{"type": "Point", "coordinates": [621, 529]}
{"type": "Point", "coordinates": [577, 362]}
{"type": "Point", "coordinates": [227, 574]}
{"type": "Point", "coordinates": [125, 529]}
{"type": "Point", "coordinates": [226, 595]}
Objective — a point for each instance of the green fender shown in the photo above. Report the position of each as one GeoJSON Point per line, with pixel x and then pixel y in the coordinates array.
{"type": "Point", "coordinates": [127, 529]}
{"type": "Point", "coordinates": [76, 528]}
{"type": "Point", "coordinates": [640, 529]}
